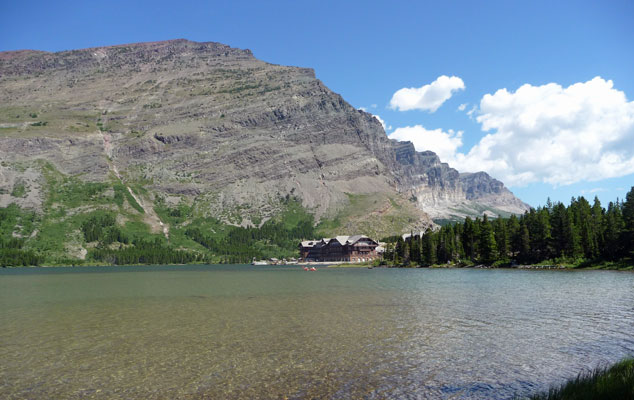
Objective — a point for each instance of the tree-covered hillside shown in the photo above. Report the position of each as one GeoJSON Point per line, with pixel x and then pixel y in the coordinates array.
{"type": "Point", "coordinates": [90, 223]}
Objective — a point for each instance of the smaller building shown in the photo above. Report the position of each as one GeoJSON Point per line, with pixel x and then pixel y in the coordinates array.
{"type": "Point", "coordinates": [415, 235]}
{"type": "Point", "coordinates": [357, 248]}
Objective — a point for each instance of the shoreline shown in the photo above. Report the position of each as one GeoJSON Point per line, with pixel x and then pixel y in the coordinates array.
{"type": "Point", "coordinates": [521, 267]}
{"type": "Point", "coordinates": [605, 266]}
{"type": "Point", "coordinates": [615, 381]}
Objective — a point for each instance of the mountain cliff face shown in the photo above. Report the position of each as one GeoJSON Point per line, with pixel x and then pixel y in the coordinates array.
{"type": "Point", "coordinates": [210, 126]}
{"type": "Point", "coordinates": [446, 194]}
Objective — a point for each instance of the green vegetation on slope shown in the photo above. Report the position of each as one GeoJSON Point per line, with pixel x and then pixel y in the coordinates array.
{"type": "Point", "coordinates": [615, 382]}
{"type": "Point", "coordinates": [374, 214]}
{"type": "Point", "coordinates": [101, 223]}
{"type": "Point", "coordinates": [16, 226]}
{"type": "Point", "coordinates": [277, 237]}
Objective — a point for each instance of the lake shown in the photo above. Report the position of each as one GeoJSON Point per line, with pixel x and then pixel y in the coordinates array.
{"type": "Point", "coordinates": [225, 332]}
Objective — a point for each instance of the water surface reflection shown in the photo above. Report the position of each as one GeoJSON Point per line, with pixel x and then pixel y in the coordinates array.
{"type": "Point", "coordinates": [244, 332]}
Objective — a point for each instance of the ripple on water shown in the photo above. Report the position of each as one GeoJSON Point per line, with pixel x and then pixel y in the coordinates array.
{"type": "Point", "coordinates": [201, 332]}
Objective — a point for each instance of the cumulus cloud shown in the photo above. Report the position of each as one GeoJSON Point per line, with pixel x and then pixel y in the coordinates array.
{"type": "Point", "coordinates": [548, 133]}
{"type": "Point", "coordinates": [462, 107]}
{"type": "Point", "coordinates": [556, 135]}
{"type": "Point", "coordinates": [428, 97]}
{"type": "Point", "coordinates": [445, 144]}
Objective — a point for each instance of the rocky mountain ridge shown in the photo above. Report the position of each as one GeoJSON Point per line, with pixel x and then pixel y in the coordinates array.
{"type": "Point", "coordinates": [446, 194]}
{"type": "Point", "coordinates": [213, 127]}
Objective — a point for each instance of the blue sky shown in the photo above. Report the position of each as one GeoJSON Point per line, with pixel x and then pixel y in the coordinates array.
{"type": "Point", "coordinates": [563, 134]}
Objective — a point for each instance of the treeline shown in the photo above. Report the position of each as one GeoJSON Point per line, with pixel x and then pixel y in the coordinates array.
{"type": "Point", "coordinates": [12, 254]}
{"type": "Point", "coordinates": [146, 252]}
{"type": "Point", "coordinates": [238, 245]}
{"type": "Point", "coordinates": [573, 233]}
{"type": "Point", "coordinates": [102, 228]}
{"type": "Point", "coordinates": [241, 245]}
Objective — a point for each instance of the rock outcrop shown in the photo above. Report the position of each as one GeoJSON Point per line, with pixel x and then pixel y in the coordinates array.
{"type": "Point", "coordinates": [446, 194]}
{"type": "Point", "coordinates": [213, 126]}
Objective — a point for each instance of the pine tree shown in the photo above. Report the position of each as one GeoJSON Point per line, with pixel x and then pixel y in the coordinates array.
{"type": "Point", "coordinates": [598, 226]}
{"type": "Point", "coordinates": [542, 235]}
{"type": "Point", "coordinates": [501, 239]}
{"type": "Point", "coordinates": [488, 248]}
{"type": "Point", "coordinates": [572, 241]}
{"type": "Point", "coordinates": [429, 248]}
{"type": "Point", "coordinates": [414, 250]}
{"type": "Point", "coordinates": [583, 220]}
{"type": "Point", "coordinates": [614, 227]}
{"type": "Point", "coordinates": [559, 221]}
{"type": "Point", "coordinates": [458, 249]}
{"type": "Point", "coordinates": [398, 251]}
{"type": "Point", "coordinates": [450, 241]}
{"type": "Point", "coordinates": [514, 235]}
{"type": "Point", "coordinates": [628, 224]}
{"type": "Point", "coordinates": [524, 242]}
{"type": "Point", "coordinates": [406, 253]}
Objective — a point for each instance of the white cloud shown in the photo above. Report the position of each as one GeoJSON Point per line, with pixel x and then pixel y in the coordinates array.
{"type": "Point", "coordinates": [462, 107]}
{"type": "Point", "coordinates": [428, 97]}
{"type": "Point", "coordinates": [548, 133]}
{"type": "Point", "coordinates": [556, 135]}
{"type": "Point", "coordinates": [445, 144]}
{"type": "Point", "coordinates": [595, 190]}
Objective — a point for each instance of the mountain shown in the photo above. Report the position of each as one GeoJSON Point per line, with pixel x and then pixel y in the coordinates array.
{"type": "Point", "coordinates": [212, 128]}
{"type": "Point", "coordinates": [446, 194]}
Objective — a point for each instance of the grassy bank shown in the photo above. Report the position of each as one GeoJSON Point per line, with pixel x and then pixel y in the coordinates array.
{"type": "Point", "coordinates": [622, 265]}
{"type": "Point", "coordinates": [615, 382]}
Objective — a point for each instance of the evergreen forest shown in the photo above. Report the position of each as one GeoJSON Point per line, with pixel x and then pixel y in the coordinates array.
{"type": "Point", "coordinates": [580, 234]}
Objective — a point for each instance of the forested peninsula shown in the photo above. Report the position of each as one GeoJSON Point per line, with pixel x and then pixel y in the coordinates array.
{"type": "Point", "coordinates": [577, 235]}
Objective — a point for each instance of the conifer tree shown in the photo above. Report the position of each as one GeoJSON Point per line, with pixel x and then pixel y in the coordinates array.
{"type": "Point", "coordinates": [572, 241]}
{"type": "Point", "coordinates": [628, 224]}
{"type": "Point", "coordinates": [488, 248]}
{"type": "Point", "coordinates": [598, 225]}
{"type": "Point", "coordinates": [514, 235]}
{"type": "Point", "coordinates": [583, 220]}
{"type": "Point", "coordinates": [524, 242]}
{"type": "Point", "coordinates": [612, 233]}
{"type": "Point", "coordinates": [468, 239]}
{"type": "Point", "coordinates": [429, 248]}
{"type": "Point", "coordinates": [501, 239]}
{"type": "Point", "coordinates": [559, 220]}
